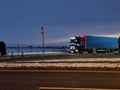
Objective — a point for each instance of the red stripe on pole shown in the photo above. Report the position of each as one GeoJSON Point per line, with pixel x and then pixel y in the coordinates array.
{"type": "Point", "coordinates": [42, 30]}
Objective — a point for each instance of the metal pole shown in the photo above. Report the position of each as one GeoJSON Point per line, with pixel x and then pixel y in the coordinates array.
{"type": "Point", "coordinates": [42, 32]}
{"type": "Point", "coordinates": [43, 47]}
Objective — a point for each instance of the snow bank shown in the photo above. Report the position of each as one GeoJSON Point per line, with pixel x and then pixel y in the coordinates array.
{"type": "Point", "coordinates": [55, 64]}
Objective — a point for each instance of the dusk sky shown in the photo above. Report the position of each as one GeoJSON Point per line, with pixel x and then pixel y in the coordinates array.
{"type": "Point", "coordinates": [20, 20]}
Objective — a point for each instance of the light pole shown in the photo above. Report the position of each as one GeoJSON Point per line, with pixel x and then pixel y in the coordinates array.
{"type": "Point", "coordinates": [42, 32]}
{"type": "Point", "coordinates": [119, 44]}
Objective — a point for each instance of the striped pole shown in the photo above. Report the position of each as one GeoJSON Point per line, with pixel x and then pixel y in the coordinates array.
{"type": "Point", "coordinates": [42, 32]}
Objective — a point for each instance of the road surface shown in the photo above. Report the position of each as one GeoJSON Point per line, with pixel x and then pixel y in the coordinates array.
{"type": "Point", "coordinates": [34, 80]}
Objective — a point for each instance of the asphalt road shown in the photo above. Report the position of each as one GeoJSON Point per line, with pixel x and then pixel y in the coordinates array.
{"type": "Point", "coordinates": [57, 56]}
{"type": "Point", "coordinates": [33, 80]}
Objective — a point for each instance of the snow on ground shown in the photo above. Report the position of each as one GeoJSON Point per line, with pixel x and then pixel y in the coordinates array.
{"type": "Point", "coordinates": [85, 59]}
{"type": "Point", "coordinates": [76, 60]}
{"type": "Point", "coordinates": [68, 64]}
{"type": "Point", "coordinates": [33, 53]}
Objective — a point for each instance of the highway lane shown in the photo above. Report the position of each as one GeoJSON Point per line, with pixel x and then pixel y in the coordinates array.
{"type": "Point", "coordinates": [33, 80]}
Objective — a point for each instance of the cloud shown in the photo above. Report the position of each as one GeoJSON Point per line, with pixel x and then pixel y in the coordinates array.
{"type": "Point", "coordinates": [111, 35]}
{"type": "Point", "coordinates": [58, 41]}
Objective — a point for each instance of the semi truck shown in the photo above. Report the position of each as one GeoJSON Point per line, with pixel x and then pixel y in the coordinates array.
{"type": "Point", "coordinates": [83, 42]}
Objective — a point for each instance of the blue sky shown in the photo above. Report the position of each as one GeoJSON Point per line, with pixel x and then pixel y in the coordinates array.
{"type": "Point", "coordinates": [20, 20]}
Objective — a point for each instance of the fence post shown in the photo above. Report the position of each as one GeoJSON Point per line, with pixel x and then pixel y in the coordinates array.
{"type": "Point", "coordinates": [11, 54]}
{"type": "Point", "coordinates": [94, 50]}
{"type": "Point", "coordinates": [0, 54]}
{"type": "Point", "coordinates": [22, 54]}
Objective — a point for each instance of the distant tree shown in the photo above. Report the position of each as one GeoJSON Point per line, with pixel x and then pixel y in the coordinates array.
{"type": "Point", "coordinates": [2, 48]}
{"type": "Point", "coordinates": [30, 48]}
{"type": "Point", "coordinates": [63, 48]}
